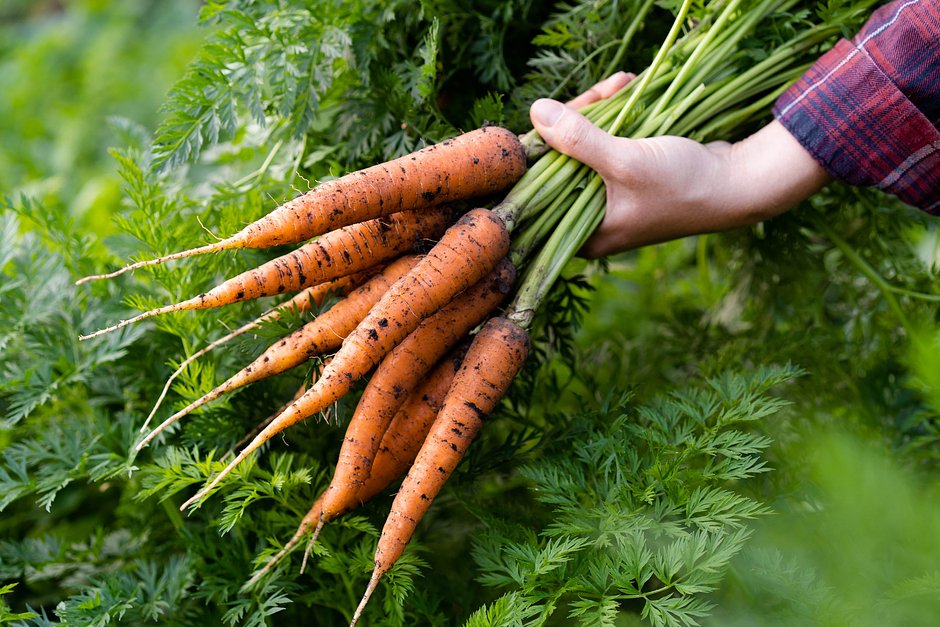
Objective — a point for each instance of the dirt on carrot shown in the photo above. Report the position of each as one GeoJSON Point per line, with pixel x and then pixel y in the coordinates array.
{"type": "Point", "coordinates": [399, 446]}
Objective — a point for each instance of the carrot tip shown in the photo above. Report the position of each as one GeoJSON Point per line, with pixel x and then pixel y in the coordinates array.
{"type": "Point", "coordinates": [218, 478]}
{"type": "Point", "coordinates": [108, 275]}
{"type": "Point", "coordinates": [287, 548]}
{"type": "Point", "coordinates": [179, 370]}
{"type": "Point", "coordinates": [192, 500]}
{"type": "Point", "coordinates": [163, 393]}
{"type": "Point", "coordinates": [373, 582]}
{"type": "Point", "coordinates": [161, 427]}
{"type": "Point", "coordinates": [261, 573]}
{"type": "Point", "coordinates": [208, 248]}
{"type": "Point", "coordinates": [123, 323]}
{"type": "Point", "coordinates": [313, 539]}
{"type": "Point", "coordinates": [142, 316]}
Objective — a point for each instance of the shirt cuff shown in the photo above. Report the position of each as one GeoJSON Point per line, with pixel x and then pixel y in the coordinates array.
{"type": "Point", "coordinates": [862, 129]}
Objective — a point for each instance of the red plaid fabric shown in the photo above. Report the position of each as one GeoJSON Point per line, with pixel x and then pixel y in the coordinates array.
{"type": "Point", "coordinates": [869, 109]}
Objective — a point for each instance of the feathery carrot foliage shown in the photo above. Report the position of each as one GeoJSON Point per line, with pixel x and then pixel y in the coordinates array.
{"type": "Point", "coordinates": [629, 473]}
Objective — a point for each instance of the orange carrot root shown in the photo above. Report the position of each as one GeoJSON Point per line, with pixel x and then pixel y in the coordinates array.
{"type": "Point", "coordinates": [401, 371]}
{"type": "Point", "coordinates": [494, 358]}
{"type": "Point", "coordinates": [339, 253]}
{"type": "Point", "coordinates": [409, 428]}
{"type": "Point", "coordinates": [400, 445]}
{"type": "Point", "coordinates": [474, 164]}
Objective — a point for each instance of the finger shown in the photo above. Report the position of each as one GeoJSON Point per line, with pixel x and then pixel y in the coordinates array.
{"type": "Point", "coordinates": [604, 89]}
{"type": "Point", "coordinates": [570, 133]}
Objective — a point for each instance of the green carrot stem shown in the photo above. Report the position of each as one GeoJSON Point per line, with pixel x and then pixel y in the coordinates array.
{"type": "Point", "coordinates": [719, 56]}
{"type": "Point", "coordinates": [738, 88]}
{"type": "Point", "coordinates": [512, 207]}
{"type": "Point", "coordinates": [641, 14]}
{"type": "Point", "coordinates": [548, 190]}
{"type": "Point", "coordinates": [538, 228]}
{"type": "Point", "coordinates": [673, 113]}
{"type": "Point", "coordinates": [689, 65]}
{"type": "Point", "coordinates": [569, 236]}
{"type": "Point", "coordinates": [694, 87]}
{"type": "Point", "coordinates": [692, 63]}
{"type": "Point", "coordinates": [709, 111]}
{"type": "Point", "coordinates": [661, 54]}
{"type": "Point", "coordinates": [723, 124]}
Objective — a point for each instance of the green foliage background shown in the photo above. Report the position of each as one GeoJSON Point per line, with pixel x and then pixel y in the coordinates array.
{"type": "Point", "coordinates": [731, 429]}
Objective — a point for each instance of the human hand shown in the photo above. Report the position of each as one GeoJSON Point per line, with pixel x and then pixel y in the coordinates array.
{"type": "Point", "coordinates": [663, 188]}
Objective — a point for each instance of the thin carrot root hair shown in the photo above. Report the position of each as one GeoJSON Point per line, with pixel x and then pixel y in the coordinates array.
{"type": "Point", "coordinates": [373, 582]}
{"type": "Point", "coordinates": [264, 423]}
{"type": "Point", "coordinates": [493, 360]}
{"type": "Point", "coordinates": [473, 164]}
{"type": "Point", "coordinates": [311, 542]}
{"type": "Point", "coordinates": [345, 251]}
{"type": "Point", "coordinates": [311, 519]}
{"type": "Point", "coordinates": [465, 254]}
{"type": "Point", "coordinates": [303, 301]}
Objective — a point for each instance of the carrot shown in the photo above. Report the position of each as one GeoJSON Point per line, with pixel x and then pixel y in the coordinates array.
{"type": "Point", "coordinates": [466, 252]}
{"type": "Point", "coordinates": [474, 164]}
{"type": "Point", "coordinates": [402, 370]}
{"type": "Point", "coordinates": [323, 334]}
{"type": "Point", "coordinates": [302, 301]}
{"type": "Point", "coordinates": [339, 253]}
{"type": "Point", "coordinates": [492, 362]}
{"type": "Point", "coordinates": [400, 445]}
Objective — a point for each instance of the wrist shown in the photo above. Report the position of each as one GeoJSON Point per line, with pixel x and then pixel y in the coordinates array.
{"type": "Point", "coordinates": [768, 173]}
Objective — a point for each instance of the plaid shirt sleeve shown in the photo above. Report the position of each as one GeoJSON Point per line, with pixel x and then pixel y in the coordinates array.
{"type": "Point", "coordinates": [869, 109]}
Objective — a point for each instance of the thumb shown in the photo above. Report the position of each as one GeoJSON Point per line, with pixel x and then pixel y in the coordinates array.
{"type": "Point", "coordinates": [570, 133]}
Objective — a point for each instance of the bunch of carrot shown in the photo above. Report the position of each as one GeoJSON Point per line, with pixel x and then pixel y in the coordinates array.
{"type": "Point", "coordinates": [422, 280]}
{"type": "Point", "coordinates": [417, 276]}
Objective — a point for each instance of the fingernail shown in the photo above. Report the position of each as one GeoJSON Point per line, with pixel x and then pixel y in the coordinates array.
{"type": "Point", "coordinates": [546, 111]}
